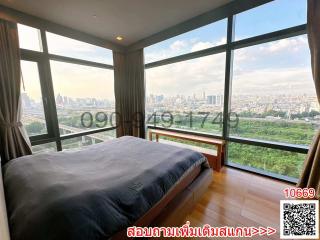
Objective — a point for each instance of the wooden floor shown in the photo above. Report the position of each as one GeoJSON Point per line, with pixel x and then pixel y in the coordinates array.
{"type": "Point", "coordinates": [236, 198]}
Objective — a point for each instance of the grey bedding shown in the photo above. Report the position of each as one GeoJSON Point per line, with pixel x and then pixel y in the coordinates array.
{"type": "Point", "coordinates": [92, 193]}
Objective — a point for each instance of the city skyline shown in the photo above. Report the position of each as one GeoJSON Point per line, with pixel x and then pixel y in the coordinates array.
{"type": "Point", "coordinates": [203, 98]}
{"type": "Point", "coordinates": [292, 104]}
{"type": "Point", "coordinates": [60, 100]}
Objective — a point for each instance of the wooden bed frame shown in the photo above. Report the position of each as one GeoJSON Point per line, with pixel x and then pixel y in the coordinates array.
{"type": "Point", "coordinates": [177, 203]}
{"type": "Point", "coordinates": [170, 211]}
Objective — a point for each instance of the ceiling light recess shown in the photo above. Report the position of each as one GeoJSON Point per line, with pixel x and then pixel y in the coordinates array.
{"type": "Point", "coordinates": [119, 38]}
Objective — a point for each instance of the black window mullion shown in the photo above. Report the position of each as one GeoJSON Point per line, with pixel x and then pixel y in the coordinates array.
{"type": "Point", "coordinates": [228, 77]}
{"type": "Point", "coordinates": [51, 105]}
{"type": "Point", "coordinates": [45, 99]}
{"type": "Point", "coordinates": [228, 82]}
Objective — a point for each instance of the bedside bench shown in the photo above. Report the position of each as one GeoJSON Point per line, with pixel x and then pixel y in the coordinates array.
{"type": "Point", "coordinates": [215, 157]}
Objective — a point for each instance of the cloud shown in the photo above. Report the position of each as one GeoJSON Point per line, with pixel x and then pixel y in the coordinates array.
{"type": "Point", "coordinates": [73, 48]}
{"type": "Point", "coordinates": [222, 41]}
{"type": "Point", "coordinates": [201, 45]}
{"type": "Point", "coordinates": [197, 46]}
{"type": "Point", "coordinates": [178, 45]}
{"type": "Point", "coordinates": [288, 44]}
{"type": "Point", "coordinates": [289, 48]}
{"type": "Point", "coordinates": [169, 49]}
{"type": "Point", "coordinates": [188, 77]}
{"type": "Point", "coordinates": [292, 52]}
{"type": "Point", "coordinates": [280, 67]}
{"type": "Point", "coordinates": [273, 81]}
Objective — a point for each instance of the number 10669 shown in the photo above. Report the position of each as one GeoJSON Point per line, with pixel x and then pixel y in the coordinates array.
{"type": "Point", "coordinates": [299, 193]}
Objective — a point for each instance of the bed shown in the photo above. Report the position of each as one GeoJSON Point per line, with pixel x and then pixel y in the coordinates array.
{"type": "Point", "coordinates": [97, 192]}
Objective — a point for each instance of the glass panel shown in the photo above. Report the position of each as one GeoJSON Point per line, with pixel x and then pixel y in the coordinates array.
{"type": "Point", "coordinates": [33, 113]}
{"type": "Point", "coordinates": [29, 38]}
{"type": "Point", "coordinates": [68, 47]}
{"type": "Point", "coordinates": [87, 140]}
{"type": "Point", "coordinates": [270, 17]}
{"type": "Point", "coordinates": [201, 38]}
{"type": "Point", "coordinates": [191, 92]}
{"type": "Point", "coordinates": [266, 159]}
{"type": "Point", "coordinates": [273, 92]}
{"type": "Point", "coordinates": [44, 148]}
{"type": "Point", "coordinates": [84, 97]}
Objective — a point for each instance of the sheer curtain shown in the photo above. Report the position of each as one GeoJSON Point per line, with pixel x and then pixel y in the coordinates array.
{"type": "Point", "coordinates": [13, 139]}
{"type": "Point", "coordinates": [130, 93]}
{"type": "Point", "coordinates": [310, 176]}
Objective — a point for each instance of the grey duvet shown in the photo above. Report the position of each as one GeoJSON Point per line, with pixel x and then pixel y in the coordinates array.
{"type": "Point", "coordinates": [93, 193]}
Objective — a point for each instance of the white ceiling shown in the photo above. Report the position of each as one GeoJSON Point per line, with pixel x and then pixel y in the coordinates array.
{"type": "Point", "coordinates": [133, 19]}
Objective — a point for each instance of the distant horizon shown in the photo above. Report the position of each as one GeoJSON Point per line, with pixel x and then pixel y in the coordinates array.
{"type": "Point", "coordinates": [195, 94]}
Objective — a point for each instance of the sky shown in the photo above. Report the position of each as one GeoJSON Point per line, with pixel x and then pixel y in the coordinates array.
{"type": "Point", "coordinates": [75, 81]}
{"type": "Point", "coordinates": [279, 67]}
{"type": "Point", "coordinates": [81, 81]}
{"type": "Point", "coordinates": [271, 68]}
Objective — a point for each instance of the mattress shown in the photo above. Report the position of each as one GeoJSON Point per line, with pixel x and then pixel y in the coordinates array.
{"type": "Point", "coordinates": [91, 193]}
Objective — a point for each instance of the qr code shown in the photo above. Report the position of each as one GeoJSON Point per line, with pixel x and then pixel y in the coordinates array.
{"type": "Point", "coordinates": [299, 219]}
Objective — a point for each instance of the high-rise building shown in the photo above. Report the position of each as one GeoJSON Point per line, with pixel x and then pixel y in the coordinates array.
{"type": "Point", "coordinates": [59, 100]}
{"type": "Point", "coordinates": [211, 99]}
{"type": "Point", "coordinates": [216, 100]}
{"type": "Point", "coordinates": [26, 102]}
{"type": "Point", "coordinates": [219, 100]}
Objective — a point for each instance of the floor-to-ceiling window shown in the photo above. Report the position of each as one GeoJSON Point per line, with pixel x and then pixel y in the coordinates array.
{"type": "Point", "coordinates": [67, 91]}
{"type": "Point", "coordinates": [187, 93]}
{"type": "Point", "coordinates": [249, 83]}
{"type": "Point", "coordinates": [274, 97]}
{"type": "Point", "coordinates": [183, 96]}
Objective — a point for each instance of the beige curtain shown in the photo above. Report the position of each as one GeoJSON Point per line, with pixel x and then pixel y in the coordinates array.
{"type": "Point", "coordinates": [129, 88]}
{"type": "Point", "coordinates": [311, 172]}
{"type": "Point", "coordinates": [13, 141]}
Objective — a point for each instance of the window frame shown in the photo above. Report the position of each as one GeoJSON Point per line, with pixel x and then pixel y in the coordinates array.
{"type": "Point", "coordinates": [228, 11]}
{"type": "Point", "coordinates": [190, 53]}
{"type": "Point", "coordinates": [229, 48]}
{"type": "Point", "coordinates": [43, 60]}
{"type": "Point", "coordinates": [67, 59]}
{"type": "Point", "coordinates": [39, 38]}
{"type": "Point", "coordinates": [35, 57]}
